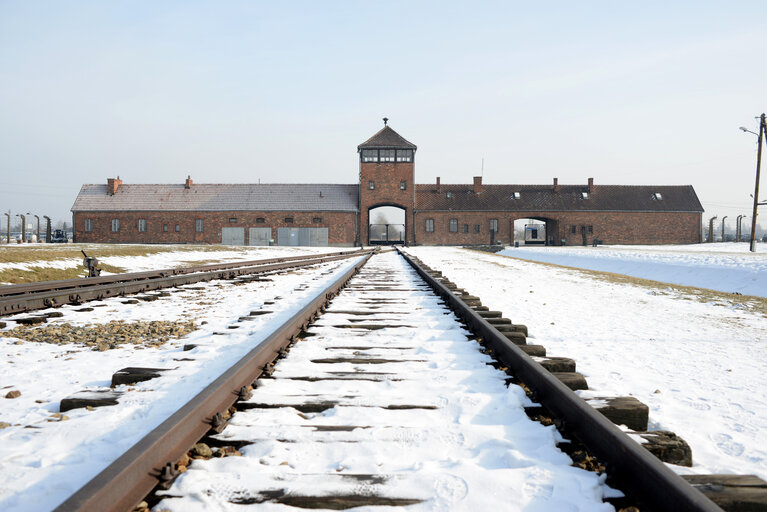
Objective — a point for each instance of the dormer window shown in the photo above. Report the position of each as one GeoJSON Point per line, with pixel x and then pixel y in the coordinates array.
{"type": "Point", "coordinates": [516, 195]}
{"type": "Point", "coordinates": [584, 195]}
{"type": "Point", "coordinates": [449, 195]}
{"type": "Point", "coordinates": [386, 155]}
{"type": "Point", "coordinates": [369, 155]}
{"type": "Point", "coordinates": [657, 197]}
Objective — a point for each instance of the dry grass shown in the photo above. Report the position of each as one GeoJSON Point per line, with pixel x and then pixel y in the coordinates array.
{"type": "Point", "coordinates": [749, 303]}
{"type": "Point", "coordinates": [24, 254]}
{"type": "Point", "coordinates": [37, 274]}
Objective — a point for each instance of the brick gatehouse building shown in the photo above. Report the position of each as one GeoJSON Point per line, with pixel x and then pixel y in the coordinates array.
{"type": "Point", "coordinates": [340, 215]}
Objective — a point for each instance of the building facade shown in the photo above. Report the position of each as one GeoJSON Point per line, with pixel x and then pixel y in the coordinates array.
{"type": "Point", "coordinates": [340, 214]}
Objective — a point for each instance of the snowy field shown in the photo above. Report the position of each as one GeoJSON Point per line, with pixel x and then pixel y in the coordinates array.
{"type": "Point", "coordinates": [167, 256]}
{"type": "Point", "coordinates": [727, 267]}
{"type": "Point", "coordinates": [696, 359]}
{"type": "Point", "coordinates": [46, 456]}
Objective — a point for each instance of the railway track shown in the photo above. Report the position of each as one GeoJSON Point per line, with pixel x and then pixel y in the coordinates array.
{"type": "Point", "coordinates": [382, 400]}
{"type": "Point", "coordinates": [28, 297]}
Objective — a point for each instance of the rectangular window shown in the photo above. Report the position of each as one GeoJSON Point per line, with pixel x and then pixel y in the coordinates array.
{"type": "Point", "coordinates": [317, 220]}
{"type": "Point", "coordinates": [369, 155]}
{"type": "Point", "coordinates": [232, 220]}
{"type": "Point", "coordinates": [453, 226]}
{"type": "Point", "coordinates": [371, 185]}
{"type": "Point", "coordinates": [430, 225]}
{"type": "Point", "coordinates": [403, 185]}
{"type": "Point", "coordinates": [115, 225]}
{"type": "Point", "coordinates": [88, 225]}
{"type": "Point", "coordinates": [494, 225]}
{"type": "Point", "coordinates": [476, 228]}
{"type": "Point", "coordinates": [288, 220]}
{"type": "Point", "coordinates": [573, 229]}
{"type": "Point", "coordinates": [178, 228]}
{"type": "Point", "coordinates": [386, 155]}
{"type": "Point", "coordinates": [165, 228]}
{"type": "Point", "coordinates": [260, 220]}
{"type": "Point", "coordinates": [465, 228]}
{"type": "Point", "coordinates": [198, 225]}
{"type": "Point", "coordinates": [404, 155]}
{"type": "Point", "coordinates": [142, 225]}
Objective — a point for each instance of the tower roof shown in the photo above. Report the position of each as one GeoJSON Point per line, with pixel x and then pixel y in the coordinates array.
{"type": "Point", "coordinates": [386, 138]}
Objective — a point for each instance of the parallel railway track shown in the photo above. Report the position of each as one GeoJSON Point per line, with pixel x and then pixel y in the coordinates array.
{"type": "Point", "coordinates": [362, 354]}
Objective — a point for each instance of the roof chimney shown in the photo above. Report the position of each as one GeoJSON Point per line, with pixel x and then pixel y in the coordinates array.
{"type": "Point", "coordinates": [591, 185]}
{"type": "Point", "coordinates": [113, 185]}
{"type": "Point", "coordinates": [477, 184]}
{"type": "Point", "coordinates": [556, 184]}
{"type": "Point", "coordinates": [189, 182]}
{"type": "Point", "coordinates": [439, 187]}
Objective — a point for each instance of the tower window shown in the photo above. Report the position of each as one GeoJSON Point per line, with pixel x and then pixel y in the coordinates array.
{"type": "Point", "coordinates": [402, 185]}
{"type": "Point", "coordinates": [371, 185]}
{"type": "Point", "coordinates": [369, 155]}
{"type": "Point", "coordinates": [404, 155]}
{"type": "Point", "coordinates": [430, 225]}
{"type": "Point", "coordinates": [386, 155]}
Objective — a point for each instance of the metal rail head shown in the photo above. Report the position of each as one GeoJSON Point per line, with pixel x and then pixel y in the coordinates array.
{"type": "Point", "coordinates": [151, 460]}
{"type": "Point", "coordinates": [636, 469]}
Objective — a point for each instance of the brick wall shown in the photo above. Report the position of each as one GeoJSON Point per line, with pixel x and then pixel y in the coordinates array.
{"type": "Point", "coordinates": [341, 226]}
{"type": "Point", "coordinates": [386, 178]}
{"type": "Point", "coordinates": [609, 227]}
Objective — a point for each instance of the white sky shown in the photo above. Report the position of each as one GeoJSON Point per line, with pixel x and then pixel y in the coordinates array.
{"type": "Point", "coordinates": [627, 93]}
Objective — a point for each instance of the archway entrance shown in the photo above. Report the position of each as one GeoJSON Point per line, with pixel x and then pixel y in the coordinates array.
{"type": "Point", "coordinates": [535, 231]}
{"type": "Point", "coordinates": [386, 225]}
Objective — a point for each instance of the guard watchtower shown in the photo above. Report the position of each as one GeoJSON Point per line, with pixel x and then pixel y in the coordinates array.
{"type": "Point", "coordinates": [387, 178]}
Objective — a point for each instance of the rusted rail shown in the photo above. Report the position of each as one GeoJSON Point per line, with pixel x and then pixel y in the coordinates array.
{"type": "Point", "coordinates": [28, 297]}
{"type": "Point", "coordinates": [629, 464]}
{"type": "Point", "coordinates": [132, 476]}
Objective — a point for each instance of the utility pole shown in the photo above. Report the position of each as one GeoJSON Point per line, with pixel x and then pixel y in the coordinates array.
{"type": "Point", "coordinates": [762, 131]}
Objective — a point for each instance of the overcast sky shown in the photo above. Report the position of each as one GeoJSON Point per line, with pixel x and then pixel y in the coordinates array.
{"type": "Point", "coordinates": [648, 92]}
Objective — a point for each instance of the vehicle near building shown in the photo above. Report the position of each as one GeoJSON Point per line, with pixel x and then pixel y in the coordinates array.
{"type": "Point", "coordinates": [59, 236]}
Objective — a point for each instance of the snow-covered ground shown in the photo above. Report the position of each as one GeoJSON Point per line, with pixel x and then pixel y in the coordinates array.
{"type": "Point", "coordinates": [169, 256]}
{"type": "Point", "coordinates": [420, 415]}
{"type": "Point", "coordinates": [727, 267]}
{"type": "Point", "coordinates": [697, 360]}
{"type": "Point", "coordinates": [45, 457]}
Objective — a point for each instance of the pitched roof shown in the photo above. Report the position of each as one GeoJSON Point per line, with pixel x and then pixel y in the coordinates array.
{"type": "Point", "coordinates": [220, 197]}
{"type": "Point", "coordinates": [537, 198]}
{"type": "Point", "coordinates": [386, 138]}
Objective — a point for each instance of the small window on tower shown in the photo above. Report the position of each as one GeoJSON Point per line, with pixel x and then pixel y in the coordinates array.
{"type": "Point", "coordinates": [386, 155]}
{"type": "Point", "coordinates": [369, 155]}
{"type": "Point", "coordinates": [403, 185]}
{"type": "Point", "coordinates": [404, 155]}
{"type": "Point", "coordinates": [371, 185]}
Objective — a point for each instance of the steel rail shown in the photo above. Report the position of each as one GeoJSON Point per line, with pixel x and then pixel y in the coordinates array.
{"type": "Point", "coordinates": [126, 481]}
{"type": "Point", "coordinates": [122, 284]}
{"type": "Point", "coordinates": [633, 467]}
{"type": "Point", "coordinates": [62, 284]}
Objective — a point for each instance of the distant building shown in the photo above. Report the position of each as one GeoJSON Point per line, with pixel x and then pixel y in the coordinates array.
{"type": "Point", "coordinates": [339, 215]}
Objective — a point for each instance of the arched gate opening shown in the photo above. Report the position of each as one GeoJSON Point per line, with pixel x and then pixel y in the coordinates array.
{"type": "Point", "coordinates": [387, 225]}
